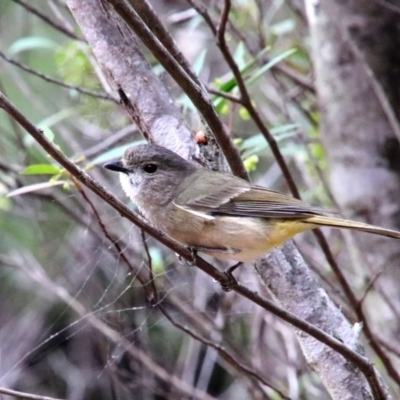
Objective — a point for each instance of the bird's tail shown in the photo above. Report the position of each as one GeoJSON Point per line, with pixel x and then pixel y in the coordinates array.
{"type": "Point", "coordinates": [347, 224]}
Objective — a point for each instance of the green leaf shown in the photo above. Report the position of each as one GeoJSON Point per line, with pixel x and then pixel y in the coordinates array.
{"type": "Point", "coordinates": [30, 43]}
{"type": "Point", "coordinates": [239, 56]}
{"type": "Point", "coordinates": [230, 84]}
{"type": "Point", "coordinates": [41, 169]}
{"type": "Point", "coordinates": [283, 27]}
{"type": "Point", "coordinates": [270, 64]}
{"type": "Point", "coordinates": [257, 144]}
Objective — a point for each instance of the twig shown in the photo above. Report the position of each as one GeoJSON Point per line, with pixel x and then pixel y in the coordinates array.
{"type": "Point", "coordinates": [47, 78]}
{"type": "Point", "coordinates": [206, 16]}
{"type": "Point", "coordinates": [376, 87]}
{"type": "Point", "coordinates": [114, 241]}
{"type": "Point", "coordinates": [225, 95]}
{"type": "Point", "coordinates": [108, 142]}
{"type": "Point", "coordinates": [368, 289]}
{"type": "Point", "coordinates": [150, 18]}
{"type": "Point", "coordinates": [113, 336]}
{"type": "Point", "coordinates": [154, 299]}
{"type": "Point", "coordinates": [220, 36]}
{"type": "Point", "coordinates": [390, 346]}
{"type": "Point", "coordinates": [48, 20]}
{"type": "Point", "coordinates": [24, 395]}
{"type": "Point", "coordinates": [247, 103]}
{"type": "Point", "coordinates": [222, 352]}
{"type": "Point", "coordinates": [282, 69]}
{"type": "Point", "coordinates": [388, 5]}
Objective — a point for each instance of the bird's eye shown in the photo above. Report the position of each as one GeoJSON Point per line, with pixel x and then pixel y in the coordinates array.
{"type": "Point", "coordinates": [150, 168]}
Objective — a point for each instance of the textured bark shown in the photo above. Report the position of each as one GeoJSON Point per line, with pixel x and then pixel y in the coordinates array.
{"type": "Point", "coordinates": [295, 288]}
{"type": "Point", "coordinates": [118, 52]}
{"type": "Point", "coordinates": [357, 66]}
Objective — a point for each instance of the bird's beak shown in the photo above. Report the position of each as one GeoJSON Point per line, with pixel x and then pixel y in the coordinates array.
{"type": "Point", "coordinates": [116, 166]}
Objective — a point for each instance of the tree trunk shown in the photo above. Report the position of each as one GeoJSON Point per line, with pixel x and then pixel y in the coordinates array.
{"type": "Point", "coordinates": [357, 68]}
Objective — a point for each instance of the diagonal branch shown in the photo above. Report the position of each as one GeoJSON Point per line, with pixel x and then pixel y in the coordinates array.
{"type": "Point", "coordinates": [361, 362]}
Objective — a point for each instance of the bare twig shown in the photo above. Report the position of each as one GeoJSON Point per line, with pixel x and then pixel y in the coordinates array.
{"type": "Point", "coordinates": [24, 395]}
{"type": "Point", "coordinates": [153, 297]}
{"type": "Point", "coordinates": [150, 18]}
{"type": "Point", "coordinates": [112, 335]}
{"type": "Point", "coordinates": [222, 352]}
{"type": "Point", "coordinates": [368, 289]}
{"type": "Point", "coordinates": [47, 78]}
{"type": "Point", "coordinates": [225, 95]}
{"type": "Point", "coordinates": [103, 228]}
{"type": "Point", "coordinates": [48, 20]}
{"type": "Point", "coordinates": [109, 142]}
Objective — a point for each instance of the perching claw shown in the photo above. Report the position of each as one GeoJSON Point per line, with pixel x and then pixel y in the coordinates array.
{"type": "Point", "coordinates": [189, 263]}
{"type": "Point", "coordinates": [231, 281]}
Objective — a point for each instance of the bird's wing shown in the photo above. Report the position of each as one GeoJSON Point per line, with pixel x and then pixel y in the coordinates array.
{"type": "Point", "coordinates": [236, 197]}
{"type": "Point", "coordinates": [264, 203]}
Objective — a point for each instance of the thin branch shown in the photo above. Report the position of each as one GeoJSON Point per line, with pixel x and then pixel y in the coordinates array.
{"type": "Point", "coordinates": [229, 358]}
{"type": "Point", "coordinates": [225, 95]}
{"type": "Point", "coordinates": [150, 18]}
{"type": "Point", "coordinates": [388, 5]}
{"type": "Point", "coordinates": [103, 228]}
{"type": "Point", "coordinates": [206, 16]}
{"type": "Point", "coordinates": [48, 20]}
{"type": "Point", "coordinates": [295, 77]}
{"type": "Point", "coordinates": [24, 395]}
{"type": "Point", "coordinates": [109, 142]}
{"type": "Point", "coordinates": [220, 36]}
{"type": "Point", "coordinates": [376, 86]}
{"type": "Point", "coordinates": [390, 346]}
{"type": "Point", "coordinates": [368, 288]}
{"type": "Point", "coordinates": [154, 298]}
{"type": "Point", "coordinates": [39, 276]}
{"type": "Point", "coordinates": [47, 78]}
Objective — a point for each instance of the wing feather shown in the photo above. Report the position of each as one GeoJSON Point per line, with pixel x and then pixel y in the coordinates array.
{"type": "Point", "coordinates": [238, 198]}
{"type": "Point", "coordinates": [220, 194]}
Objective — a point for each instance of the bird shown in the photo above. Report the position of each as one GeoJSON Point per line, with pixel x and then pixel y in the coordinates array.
{"type": "Point", "coordinates": [215, 213]}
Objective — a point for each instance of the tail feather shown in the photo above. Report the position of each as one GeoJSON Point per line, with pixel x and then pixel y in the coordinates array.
{"type": "Point", "coordinates": [347, 224]}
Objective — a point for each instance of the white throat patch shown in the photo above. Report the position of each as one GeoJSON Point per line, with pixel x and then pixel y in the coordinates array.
{"type": "Point", "coordinates": [130, 190]}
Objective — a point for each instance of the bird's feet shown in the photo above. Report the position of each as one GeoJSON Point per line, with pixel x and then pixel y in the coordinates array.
{"type": "Point", "coordinates": [230, 282]}
{"type": "Point", "coordinates": [189, 263]}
